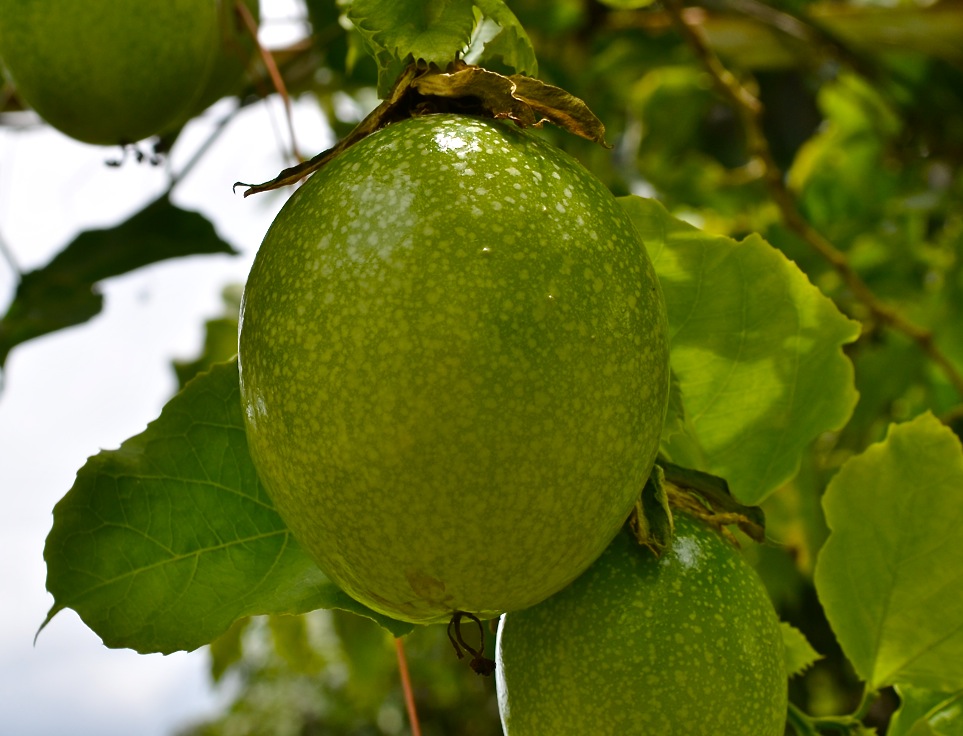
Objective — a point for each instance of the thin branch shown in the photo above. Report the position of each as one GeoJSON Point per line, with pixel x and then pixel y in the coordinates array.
{"type": "Point", "coordinates": [406, 687]}
{"type": "Point", "coordinates": [750, 110]}
{"type": "Point", "coordinates": [8, 256]}
{"type": "Point", "coordinates": [272, 68]}
{"type": "Point", "coordinates": [204, 148]}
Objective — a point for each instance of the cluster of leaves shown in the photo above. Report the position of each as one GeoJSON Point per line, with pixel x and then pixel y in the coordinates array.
{"type": "Point", "coordinates": [838, 415]}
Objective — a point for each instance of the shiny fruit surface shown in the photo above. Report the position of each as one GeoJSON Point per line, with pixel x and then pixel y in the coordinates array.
{"type": "Point", "coordinates": [454, 367]}
{"type": "Point", "coordinates": [684, 645]}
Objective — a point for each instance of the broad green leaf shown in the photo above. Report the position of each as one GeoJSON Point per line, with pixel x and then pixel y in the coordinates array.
{"type": "Point", "coordinates": [438, 32]}
{"type": "Point", "coordinates": [800, 655]}
{"type": "Point", "coordinates": [890, 575]}
{"type": "Point", "coordinates": [227, 649]}
{"type": "Point", "coordinates": [162, 544]}
{"type": "Point", "coordinates": [756, 349]}
{"type": "Point", "coordinates": [927, 713]}
{"type": "Point", "coordinates": [291, 642]}
{"type": "Point", "coordinates": [509, 42]}
{"type": "Point", "coordinates": [63, 293]}
{"type": "Point", "coordinates": [417, 30]}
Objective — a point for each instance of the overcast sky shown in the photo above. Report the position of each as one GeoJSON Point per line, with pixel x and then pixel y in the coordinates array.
{"type": "Point", "coordinates": [69, 395]}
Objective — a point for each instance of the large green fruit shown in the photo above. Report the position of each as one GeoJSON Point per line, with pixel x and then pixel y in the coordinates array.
{"type": "Point", "coordinates": [110, 71]}
{"type": "Point", "coordinates": [453, 368]}
{"type": "Point", "coordinates": [684, 645]}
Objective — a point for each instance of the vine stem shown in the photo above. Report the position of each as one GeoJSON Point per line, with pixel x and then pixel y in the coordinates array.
{"type": "Point", "coordinates": [800, 722]}
{"type": "Point", "coordinates": [202, 150]}
{"type": "Point", "coordinates": [750, 110]}
{"type": "Point", "coordinates": [869, 697]}
{"type": "Point", "coordinates": [8, 256]}
{"type": "Point", "coordinates": [272, 69]}
{"type": "Point", "coordinates": [806, 725]}
{"type": "Point", "coordinates": [406, 687]}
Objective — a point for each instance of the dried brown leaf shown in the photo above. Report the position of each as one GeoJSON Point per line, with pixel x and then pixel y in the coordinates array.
{"type": "Point", "coordinates": [463, 88]}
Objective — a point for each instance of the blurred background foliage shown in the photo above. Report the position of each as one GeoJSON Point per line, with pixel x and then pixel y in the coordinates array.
{"type": "Point", "coordinates": [863, 115]}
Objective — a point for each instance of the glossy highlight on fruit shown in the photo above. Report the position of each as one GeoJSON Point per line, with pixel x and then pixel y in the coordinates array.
{"type": "Point", "coordinates": [454, 368]}
{"type": "Point", "coordinates": [684, 645]}
{"type": "Point", "coordinates": [110, 71]}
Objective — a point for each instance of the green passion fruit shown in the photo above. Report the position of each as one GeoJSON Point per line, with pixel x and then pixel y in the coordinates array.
{"type": "Point", "coordinates": [454, 368]}
{"type": "Point", "coordinates": [686, 644]}
{"type": "Point", "coordinates": [237, 50]}
{"type": "Point", "coordinates": [110, 71]}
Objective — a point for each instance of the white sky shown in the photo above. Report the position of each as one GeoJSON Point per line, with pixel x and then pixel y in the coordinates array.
{"type": "Point", "coordinates": [70, 394]}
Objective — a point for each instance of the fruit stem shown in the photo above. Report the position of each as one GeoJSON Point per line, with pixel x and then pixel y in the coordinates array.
{"type": "Point", "coordinates": [869, 697]}
{"type": "Point", "coordinates": [806, 725]}
{"type": "Point", "coordinates": [406, 687]}
{"type": "Point", "coordinates": [800, 722]}
{"type": "Point", "coordinates": [481, 664]}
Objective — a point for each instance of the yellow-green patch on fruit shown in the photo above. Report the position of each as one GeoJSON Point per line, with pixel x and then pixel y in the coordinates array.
{"type": "Point", "coordinates": [109, 71]}
{"type": "Point", "coordinates": [684, 645]}
{"type": "Point", "coordinates": [454, 368]}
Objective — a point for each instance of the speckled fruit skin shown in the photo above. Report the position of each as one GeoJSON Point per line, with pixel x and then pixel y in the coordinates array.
{"type": "Point", "coordinates": [454, 368]}
{"type": "Point", "coordinates": [684, 645]}
{"type": "Point", "coordinates": [109, 71]}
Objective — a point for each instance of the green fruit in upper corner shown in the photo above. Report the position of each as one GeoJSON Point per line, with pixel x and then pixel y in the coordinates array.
{"type": "Point", "coordinates": [109, 71]}
{"type": "Point", "coordinates": [683, 645]}
{"type": "Point", "coordinates": [237, 49]}
{"type": "Point", "coordinates": [454, 368]}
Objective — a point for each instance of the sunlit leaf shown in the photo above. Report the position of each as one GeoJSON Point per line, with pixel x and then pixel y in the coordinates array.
{"type": "Point", "coordinates": [890, 576]}
{"type": "Point", "coordinates": [63, 293]}
{"type": "Point", "coordinates": [510, 44]}
{"type": "Point", "coordinates": [227, 649]}
{"type": "Point", "coordinates": [291, 642]}
{"type": "Point", "coordinates": [800, 654]}
{"type": "Point", "coordinates": [438, 33]}
{"type": "Point", "coordinates": [162, 544]}
{"type": "Point", "coordinates": [412, 30]}
{"type": "Point", "coordinates": [756, 349]}
{"type": "Point", "coordinates": [927, 713]}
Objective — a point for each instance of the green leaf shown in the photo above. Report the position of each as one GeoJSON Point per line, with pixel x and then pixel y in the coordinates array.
{"type": "Point", "coordinates": [509, 43]}
{"type": "Point", "coordinates": [63, 293]}
{"type": "Point", "coordinates": [437, 32]}
{"type": "Point", "coordinates": [227, 649]}
{"type": "Point", "coordinates": [927, 713]}
{"type": "Point", "coordinates": [220, 339]}
{"type": "Point", "coordinates": [800, 655]}
{"type": "Point", "coordinates": [293, 645]}
{"type": "Point", "coordinates": [412, 30]}
{"type": "Point", "coordinates": [162, 544]}
{"type": "Point", "coordinates": [756, 349]}
{"type": "Point", "coordinates": [890, 575]}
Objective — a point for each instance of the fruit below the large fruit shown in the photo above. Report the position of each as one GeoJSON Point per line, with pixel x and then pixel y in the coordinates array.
{"type": "Point", "coordinates": [684, 645]}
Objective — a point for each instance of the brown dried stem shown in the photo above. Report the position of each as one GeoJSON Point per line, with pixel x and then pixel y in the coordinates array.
{"type": "Point", "coordinates": [272, 69]}
{"type": "Point", "coordinates": [750, 110]}
{"type": "Point", "coordinates": [406, 687]}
